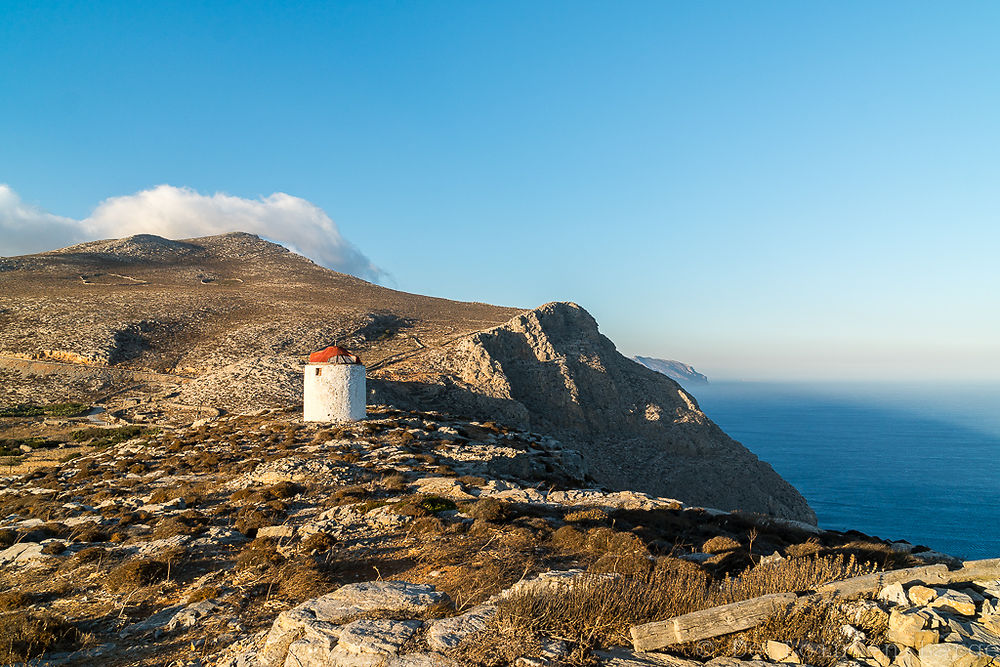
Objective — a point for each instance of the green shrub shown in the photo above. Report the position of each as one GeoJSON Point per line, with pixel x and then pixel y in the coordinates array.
{"type": "Point", "coordinates": [54, 410]}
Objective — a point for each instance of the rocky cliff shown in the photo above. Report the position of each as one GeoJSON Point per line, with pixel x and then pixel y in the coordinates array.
{"type": "Point", "coordinates": [551, 370]}
{"type": "Point", "coordinates": [675, 370]}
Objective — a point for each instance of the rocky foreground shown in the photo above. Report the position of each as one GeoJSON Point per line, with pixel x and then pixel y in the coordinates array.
{"type": "Point", "coordinates": [418, 538]}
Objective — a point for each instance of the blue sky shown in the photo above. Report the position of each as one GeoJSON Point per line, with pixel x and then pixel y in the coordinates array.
{"type": "Point", "coordinates": [765, 190]}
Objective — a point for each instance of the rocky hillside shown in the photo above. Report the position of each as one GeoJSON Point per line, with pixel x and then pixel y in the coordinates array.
{"type": "Point", "coordinates": [675, 370]}
{"type": "Point", "coordinates": [150, 328]}
{"type": "Point", "coordinates": [552, 371]}
{"type": "Point", "coordinates": [420, 539]}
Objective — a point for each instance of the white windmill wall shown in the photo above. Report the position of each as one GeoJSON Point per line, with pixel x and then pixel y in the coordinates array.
{"type": "Point", "coordinates": [334, 393]}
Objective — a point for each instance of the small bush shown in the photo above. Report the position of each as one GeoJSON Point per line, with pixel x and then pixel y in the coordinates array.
{"type": "Point", "coordinates": [105, 437]}
{"type": "Point", "coordinates": [54, 548]}
{"type": "Point", "coordinates": [488, 509]}
{"type": "Point", "coordinates": [90, 555]}
{"type": "Point", "coordinates": [720, 544]}
{"type": "Point", "coordinates": [436, 504]}
{"type": "Point", "coordinates": [249, 519]}
{"type": "Point", "coordinates": [260, 553]}
{"type": "Point", "coordinates": [592, 515]}
{"type": "Point", "coordinates": [136, 574]}
{"type": "Point", "coordinates": [318, 542]}
{"type": "Point", "coordinates": [203, 593]}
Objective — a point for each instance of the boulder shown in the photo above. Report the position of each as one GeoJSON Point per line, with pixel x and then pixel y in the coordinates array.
{"type": "Point", "coordinates": [894, 594]}
{"type": "Point", "coordinates": [953, 655]}
{"type": "Point", "coordinates": [954, 602]}
{"type": "Point", "coordinates": [447, 633]}
{"type": "Point", "coordinates": [781, 652]}
{"type": "Point", "coordinates": [908, 629]}
{"type": "Point", "coordinates": [921, 596]}
{"type": "Point", "coordinates": [320, 617]}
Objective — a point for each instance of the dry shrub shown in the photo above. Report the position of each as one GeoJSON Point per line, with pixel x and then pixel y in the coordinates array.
{"type": "Point", "coordinates": [591, 515]}
{"type": "Point", "coordinates": [878, 553]}
{"type": "Point", "coordinates": [279, 491]}
{"type": "Point", "coordinates": [188, 523]}
{"type": "Point", "coordinates": [596, 610]}
{"type": "Point", "coordinates": [136, 574]}
{"type": "Point", "coordinates": [792, 575]}
{"type": "Point", "coordinates": [10, 600]}
{"type": "Point", "coordinates": [191, 494]}
{"type": "Point", "coordinates": [395, 483]}
{"type": "Point", "coordinates": [814, 628]}
{"type": "Point", "coordinates": [499, 647]}
{"type": "Point", "coordinates": [472, 481]}
{"type": "Point", "coordinates": [346, 455]}
{"type": "Point", "coordinates": [261, 553]}
{"type": "Point", "coordinates": [203, 593]}
{"type": "Point", "coordinates": [301, 579]}
{"type": "Point", "coordinates": [7, 537]}
{"type": "Point", "coordinates": [488, 509]}
{"type": "Point", "coordinates": [719, 544]}
{"type": "Point", "coordinates": [90, 534]}
{"type": "Point", "coordinates": [250, 519]}
{"type": "Point", "coordinates": [476, 565]}
{"type": "Point", "coordinates": [319, 542]}
{"type": "Point", "coordinates": [54, 548]}
{"type": "Point", "coordinates": [427, 524]}
{"type": "Point", "coordinates": [399, 437]}
{"type": "Point", "coordinates": [90, 555]}
{"type": "Point", "coordinates": [349, 494]}
{"type": "Point", "coordinates": [25, 635]}
{"type": "Point", "coordinates": [811, 547]}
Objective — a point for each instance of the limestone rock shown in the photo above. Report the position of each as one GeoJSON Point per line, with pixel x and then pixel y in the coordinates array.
{"type": "Point", "coordinates": [447, 633]}
{"type": "Point", "coordinates": [374, 637]}
{"type": "Point", "coordinates": [276, 532]}
{"type": "Point", "coordinates": [322, 616]}
{"type": "Point", "coordinates": [781, 652]}
{"type": "Point", "coordinates": [953, 655]}
{"type": "Point", "coordinates": [921, 596]}
{"type": "Point", "coordinates": [907, 629]}
{"type": "Point", "coordinates": [894, 594]}
{"type": "Point", "coordinates": [621, 657]}
{"type": "Point", "coordinates": [954, 602]}
{"type": "Point", "coordinates": [907, 658]}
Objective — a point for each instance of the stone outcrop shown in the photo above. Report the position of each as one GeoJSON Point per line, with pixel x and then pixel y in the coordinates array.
{"type": "Point", "coordinates": [551, 370]}
{"type": "Point", "coordinates": [675, 370]}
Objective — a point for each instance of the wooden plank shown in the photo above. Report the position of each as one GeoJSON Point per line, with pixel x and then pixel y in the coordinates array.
{"type": "Point", "coordinates": [708, 623]}
{"type": "Point", "coordinates": [872, 583]}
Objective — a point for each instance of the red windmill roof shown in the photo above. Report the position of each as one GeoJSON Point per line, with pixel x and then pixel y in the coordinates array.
{"type": "Point", "coordinates": [335, 355]}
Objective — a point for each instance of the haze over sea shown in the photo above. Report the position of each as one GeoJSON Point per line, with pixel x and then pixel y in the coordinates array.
{"type": "Point", "coordinates": [914, 462]}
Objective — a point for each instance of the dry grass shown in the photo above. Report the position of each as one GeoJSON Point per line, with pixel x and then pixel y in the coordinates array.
{"type": "Point", "coordinates": [480, 563]}
{"type": "Point", "coordinates": [597, 609]}
{"type": "Point", "coordinates": [25, 635]}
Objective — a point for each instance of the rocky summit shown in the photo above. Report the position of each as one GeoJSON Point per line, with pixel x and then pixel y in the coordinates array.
{"type": "Point", "coordinates": [519, 494]}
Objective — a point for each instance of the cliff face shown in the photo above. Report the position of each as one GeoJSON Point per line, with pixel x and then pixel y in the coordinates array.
{"type": "Point", "coordinates": [552, 370]}
{"type": "Point", "coordinates": [675, 370]}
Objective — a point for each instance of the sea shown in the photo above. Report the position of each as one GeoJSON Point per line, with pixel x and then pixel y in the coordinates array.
{"type": "Point", "coordinates": [914, 462]}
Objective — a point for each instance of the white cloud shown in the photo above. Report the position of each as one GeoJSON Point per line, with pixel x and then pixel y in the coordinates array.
{"type": "Point", "coordinates": [25, 228]}
{"type": "Point", "coordinates": [177, 213]}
